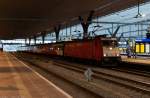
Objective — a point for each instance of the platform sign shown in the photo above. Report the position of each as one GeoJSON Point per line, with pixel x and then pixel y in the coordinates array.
{"type": "Point", "coordinates": [142, 48]}
{"type": "Point", "coordinates": [137, 48]}
{"type": "Point", "coordinates": [147, 46]}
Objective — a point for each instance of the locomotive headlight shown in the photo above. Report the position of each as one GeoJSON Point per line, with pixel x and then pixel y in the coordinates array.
{"type": "Point", "coordinates": [51, 48]}
{"type": "Point", "coordinates": [104, 54]}
{"type": "Point", "coordinates": [110, 48]}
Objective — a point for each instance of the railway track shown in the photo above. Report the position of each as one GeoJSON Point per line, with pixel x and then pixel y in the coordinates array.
{"type": "Point", "coordinates": [76, 88]}
{"type": "Point", "coordinates": [129, 83]}
{"type": "Point", "coordinates": [118, 69]}
{"type": "Point", "coordinates": [133, 71]}
{"type": "Point", "coordinates": [138, 86]}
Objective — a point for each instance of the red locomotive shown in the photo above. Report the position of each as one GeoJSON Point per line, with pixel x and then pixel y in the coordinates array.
{"type": "Point", "coordinates": [99, 49]}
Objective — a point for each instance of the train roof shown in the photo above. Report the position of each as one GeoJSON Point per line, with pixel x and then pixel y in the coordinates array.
{"type": "Point", "coordinates": [103, 37]}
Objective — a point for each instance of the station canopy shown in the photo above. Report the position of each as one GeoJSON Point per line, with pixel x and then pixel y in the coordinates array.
{"type": "Point", "coordinates": [131, 25]}
{"type": "Point", "coordinates": [26, 18]}
{"type": "Point", "coordinates": [129, 15]}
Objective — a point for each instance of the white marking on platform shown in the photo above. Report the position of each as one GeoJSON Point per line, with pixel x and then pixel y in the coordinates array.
{"type": "Point", "coordinates": [19, 82]}
{"type": "Point", "coordinates": [59, 89]}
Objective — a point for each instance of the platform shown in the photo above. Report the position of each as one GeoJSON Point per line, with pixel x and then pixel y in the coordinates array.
{"type": "Point", "coordinates": [137, 60]}
{"type": "Point", "coordinates": [17, 80]}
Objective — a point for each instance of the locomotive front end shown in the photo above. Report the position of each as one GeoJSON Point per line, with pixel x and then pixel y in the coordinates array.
{"type": "Point", "coordinates": [111, 51]}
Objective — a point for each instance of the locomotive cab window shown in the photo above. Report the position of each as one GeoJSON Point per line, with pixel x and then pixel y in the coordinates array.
{"type": "Point", "coordinates": [109, 43]}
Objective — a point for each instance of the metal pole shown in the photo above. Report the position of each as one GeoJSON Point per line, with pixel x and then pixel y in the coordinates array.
{"type": "Point", "coordinates": [70, 31]}
{"type": "Point", "coordinates": [43, 38]}
{"type": "Point", "coordinates": [34, 40]}
{"type": "Point", "coordinates": [66, 30]}
{"type": "Point", "coordinates": [130, 30]}
{"type": "Point", "coordinates": [138, 30]}
{"type": "Point", "coordinates": [112, 28]}
{"type": "Point", "coordinates": [29, 41]}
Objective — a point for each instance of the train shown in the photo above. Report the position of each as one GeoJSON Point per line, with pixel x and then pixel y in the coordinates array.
{"type": "Point", "coordinates": [100, 49]}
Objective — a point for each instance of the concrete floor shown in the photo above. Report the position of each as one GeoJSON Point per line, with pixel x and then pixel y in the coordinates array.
{"type": "Point", "coordinates": [140, 60]}
{"type": "Point", "coordinates": [17, 80]}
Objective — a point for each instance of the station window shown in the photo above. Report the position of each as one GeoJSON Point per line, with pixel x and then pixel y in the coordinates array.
{"type": "Point", "coordinates": [142, 48]}
{"type": "Point", "coordinates": [137, 48]}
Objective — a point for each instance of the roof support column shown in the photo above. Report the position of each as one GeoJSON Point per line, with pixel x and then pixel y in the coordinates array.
{"type": "Point", "coordinates": [34, 40]}
{"type": "Point", "coordinates": [25, 41]}
{"type": "Point", "coordinates": [29, 41]}
{"type": "Point", "coordinates": [57, 31]}
{"type": "Point", "coordinates": [43, 37]}
{"type": "Point", "coordinates": [2, 45]}
{"type": "Point", "coordinates": [85, 24]}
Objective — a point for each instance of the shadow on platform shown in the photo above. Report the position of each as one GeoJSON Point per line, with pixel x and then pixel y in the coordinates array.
{"type": "Point", "coordinates": [9, 87]}
{"type": "Point", "coordinates": [19, 69]}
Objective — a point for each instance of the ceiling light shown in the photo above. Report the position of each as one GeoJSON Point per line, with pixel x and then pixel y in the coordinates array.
{"type": "Point", "coordinates": [139, 15]}
{"type": "Point", "coordinates": [143, 15]}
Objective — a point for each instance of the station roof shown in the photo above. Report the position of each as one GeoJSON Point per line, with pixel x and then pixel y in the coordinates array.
{"type": "Point", "coordinates": [25, 18]}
